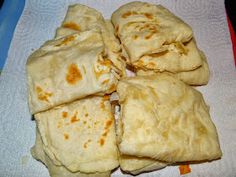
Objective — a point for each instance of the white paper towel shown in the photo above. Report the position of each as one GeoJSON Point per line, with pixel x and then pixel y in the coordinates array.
{"type": "Point", "coordinates": [38, 23]}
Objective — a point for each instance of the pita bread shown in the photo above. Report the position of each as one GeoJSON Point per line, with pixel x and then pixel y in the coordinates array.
{"type": "Point", "coordinates": [165, 119]}
{"type": "Point", "coordinates": [69, 68]}
{"type": "Point", "coordinates": [57, 170]}
{"type": "Point", "coordinates": [80, 135]}
{"type": "Point", "coordinates": [199, 76]}
{"type": "Point", "coordinates": [145, 28]}
{"type": "Point", "coordinates": [82, 18]}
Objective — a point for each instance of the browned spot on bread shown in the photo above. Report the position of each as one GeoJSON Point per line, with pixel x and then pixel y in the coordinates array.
{"type": "Point", "coordinates": [135, 37]}
{"type": "Point", "coordinates": [148, 15]}
{"type": "Point", "coordinates": [66, 136]}
{"type": "Point", "coordinates": [105, 133]}
{"type": "Point", "coordinates": [108, 124]}
{"type": "Point", "coordinates": [107, 63]}
{"type": "Point", "coordinates": [86, 115]}
{"type": "Point", "coordinates": [101, 141]}
{"type": "Point", "coordinates": [64, 114]}
{"type": "Point", "coordinates": [117, 28]}
{"type": "Point", "coordinates": [84, 122]}
{"type": "Point", "coordinates": [149, 36]}
{"type": "Point", "coordinates": [123, 58]}
{"type": "Point", "coordinates": [156, 55]}
{"type": "Point", "coordinates": [73, 74]}
{"type": "Point", "coordinates": [66, 40]}
{"type": "Point", "coordinates": [139, 63]}
{"type": "Point", "coordinates": [151, 65]}
{"type": "Point", "coordinates": [71, 25]}
{"type": "Point", "coordinates": [102, 103]}
{"type": "Point", "coordinates": [105, 81]}
{"type": "Point", "coordinates": [42, 95]}
{"type": "Point", "coordinates": [112, 88]}
{"type": "Point", "coordinates": [106, 97]}
{"type": "Point", "coordinates": [86, 143]}
{"type": "Point", "coordinates": [125, 15]}
{"type": "Point", "coordinates": [165, 134]}
{"type": "Point", "coordinates": [74, 118]}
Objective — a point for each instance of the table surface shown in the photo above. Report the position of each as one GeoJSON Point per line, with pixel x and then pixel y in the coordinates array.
{"type": "Point", "coordinates": [38, 23]}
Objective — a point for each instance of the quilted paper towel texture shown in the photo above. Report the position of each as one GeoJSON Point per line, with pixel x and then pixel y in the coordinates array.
{"type": "Point", "coordinates": [38, 23]}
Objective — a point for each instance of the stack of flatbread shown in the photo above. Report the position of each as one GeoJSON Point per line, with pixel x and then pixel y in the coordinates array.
{"type": "Point", "coordinates": [69, 78]}
{"type": "Point", "coordinates": [155, 40]}
{"type": "Point", "coordinates": [160, 120]}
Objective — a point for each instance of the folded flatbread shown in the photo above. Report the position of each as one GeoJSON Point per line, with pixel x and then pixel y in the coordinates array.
{"type": "Point", "coordinates": [165, 119]}
{"type": "Point", "coordinates": [80, 135]}
{"type": "Point", "coordinates": [82, 18]}
{"type": "Point", "coordinates": [178, 57]}
{"type": "Point", "coordinates": [57, 170]}
{"type": "Point", "coordinates": [145, 29]}
{"type": "Point", "coordinates": [199, 76]}
{"type": "Point", "coordinates": [133, 164]}
{"type": "Point", "coordinates": [69, 68]}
